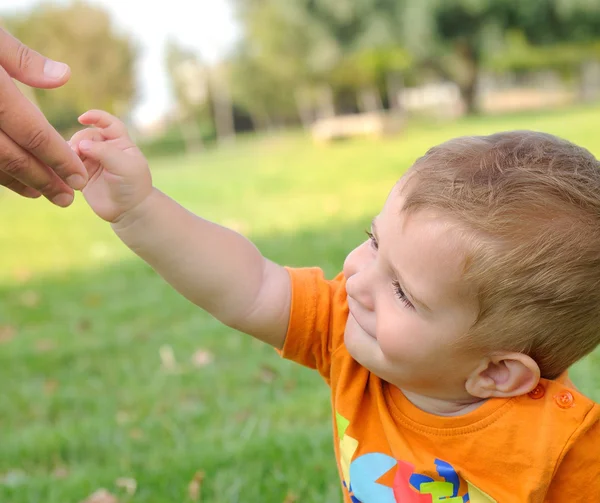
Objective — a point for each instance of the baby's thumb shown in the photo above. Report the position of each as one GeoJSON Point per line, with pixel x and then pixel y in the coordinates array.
{"type": "Point", "coordinates": [109, 156]}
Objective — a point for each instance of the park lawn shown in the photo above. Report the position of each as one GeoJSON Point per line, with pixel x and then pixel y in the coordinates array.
{"type": "Point", "coordinates": [107, 374]}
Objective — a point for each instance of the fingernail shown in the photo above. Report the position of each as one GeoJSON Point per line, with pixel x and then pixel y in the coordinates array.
{"type": "Point", "coordinates": [76, 182]}
{"type": "Point", "coordinates": [85, 145]}
{"type": "Point", "coordinates": [62, 200]}
{"type": "Point", "coordinates": [54, 70]}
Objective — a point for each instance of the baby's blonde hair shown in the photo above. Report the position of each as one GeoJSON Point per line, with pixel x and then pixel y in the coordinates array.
{"type": "Point", "coordinates": [530, 203]}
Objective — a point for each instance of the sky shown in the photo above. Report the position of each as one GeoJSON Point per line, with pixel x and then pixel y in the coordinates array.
{"type": "Point", "coordinates": [207, 27]}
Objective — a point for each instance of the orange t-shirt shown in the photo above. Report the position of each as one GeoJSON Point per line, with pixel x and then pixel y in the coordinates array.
{"type": "Point", "coordinates": [541, 447]}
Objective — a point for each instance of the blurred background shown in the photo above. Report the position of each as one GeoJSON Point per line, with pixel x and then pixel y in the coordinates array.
{"type": "Point", "coordinates": [288, 121]}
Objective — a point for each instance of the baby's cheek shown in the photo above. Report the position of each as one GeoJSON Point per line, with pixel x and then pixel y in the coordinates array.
{"type": "Point", "coordinates": [401, 339]}
{"type": "Point", "coordinates": [392, 339]}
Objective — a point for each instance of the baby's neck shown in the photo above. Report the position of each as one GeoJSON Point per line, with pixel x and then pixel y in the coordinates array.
{"type": "Point", "coordinates": [440, 407]}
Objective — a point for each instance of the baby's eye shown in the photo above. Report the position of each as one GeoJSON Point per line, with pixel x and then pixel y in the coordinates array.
{"type": "Point", "coordinates": [401, 295]}
{"type": "Point", "coordinates": [374, 243]}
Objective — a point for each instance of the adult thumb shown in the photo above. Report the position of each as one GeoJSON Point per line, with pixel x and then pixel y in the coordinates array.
{"type": "Point", "coordinates": [29, 67]}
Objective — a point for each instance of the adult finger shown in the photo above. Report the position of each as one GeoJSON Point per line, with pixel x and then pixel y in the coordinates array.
{"type": "Point", "coordinates": [18, 187]}
{"type": "Point", "coordinates": [111, 127]}
{"type": "Point", "coordinates": [16, 164]}
{"type": "Point", "coordinates": [28, 66]}
{"type": "Point", "coordinates": [27, 127]}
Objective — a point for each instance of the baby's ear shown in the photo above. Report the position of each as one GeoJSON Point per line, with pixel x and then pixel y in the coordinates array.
{"type": "Point", "coordinates": [503, 376]}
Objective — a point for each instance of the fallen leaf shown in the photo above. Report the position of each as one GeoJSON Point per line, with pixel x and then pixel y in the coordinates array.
{"type": "Point", "coordinates": [143, 336]}
{"type": "Point", "coordinates": [167, 358]}
{"type": "Point", "coordinates": [83, 326]}
{"type": "Point", "coordinates": [44, 345]}
{"type": "Point", "coordinates": [267, 373]}
{"type": "Point", "coordinates": [50, 386]}
{"type": "Point", "coordinates": [195, 486]}
{"type": "Point", "coordinates": [129, 484]}
{"type": "Point", "coordinates": [30, 298]}
{"type": "Point", "coordinates": [290, 498]}
{"type": "Point", "coordinates": [101, 496]}
{"type": "Point", "coordinates": [201, 358]}
{"type": "Point", "coordinates": [136, 434]}
{"type": "Point", "coordinates": [93, 300]}
{"type": "Point", "coordinates": [60, 472]}
{"type": "Point", "coordinates": [122, 417]}
{"type": "Point", "coordinates": [7, 333]}
{"type": "Point", "coordinates": [290, 385]}
{"type": "Point", "coordinates": [243, 415]}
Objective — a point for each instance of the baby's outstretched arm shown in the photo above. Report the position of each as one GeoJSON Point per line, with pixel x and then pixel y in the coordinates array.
{"type": "Point", "coordinates": [214, 267]}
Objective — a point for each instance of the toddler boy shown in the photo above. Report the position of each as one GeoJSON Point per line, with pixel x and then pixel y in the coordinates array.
{"type": "Point", "coordinates": [447, 336]}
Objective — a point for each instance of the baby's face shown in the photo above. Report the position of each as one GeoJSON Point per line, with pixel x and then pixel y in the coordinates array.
{"type": "Point", "coordinates": [408, 303]}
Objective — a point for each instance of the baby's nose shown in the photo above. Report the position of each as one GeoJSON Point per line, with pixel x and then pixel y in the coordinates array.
{"type": "Point", "coordinates": [359, 288]}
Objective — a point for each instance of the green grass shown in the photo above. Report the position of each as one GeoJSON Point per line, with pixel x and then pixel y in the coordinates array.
{"type": "Point", "coordinates": [85, 399]}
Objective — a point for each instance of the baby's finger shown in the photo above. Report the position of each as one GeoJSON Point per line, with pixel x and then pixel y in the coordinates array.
{"type": "Point", "coordinates": [111, 127]}
{"type": "Point", "coordinates": [106, 154]}
{"type": "Point", "coordinates": [85, 134]}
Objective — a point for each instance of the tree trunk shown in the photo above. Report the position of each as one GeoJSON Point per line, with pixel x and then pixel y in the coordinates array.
{"type": "Point", "coordinates": [468, 81]}
{"type": "Point", "coordinates": [394, 86]}
{"type": "Point", "coordinates": [589, 82]}
{"type": "Point", "coordinates": [191, 136]}
{"type": "Point", "coordinates": [369, 100]}
{"type": "Point", "coordinates": [468, 93]}
{"type": "Point", "coordinates": [304, 108]}
{"type": "Point", "coordinates": [223, 108]}
{"type": "Point", "coordinates": [326, 102]}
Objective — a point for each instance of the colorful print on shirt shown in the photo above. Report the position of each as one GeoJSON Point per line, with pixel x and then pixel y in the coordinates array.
{"type": "Point", "coordinates": [365, 477]}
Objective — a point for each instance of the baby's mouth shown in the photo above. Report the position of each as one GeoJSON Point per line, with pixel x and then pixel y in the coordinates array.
{"type": "Point", "coordinates": [357, 320]}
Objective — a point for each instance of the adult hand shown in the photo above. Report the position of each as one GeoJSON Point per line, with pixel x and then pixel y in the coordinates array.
{"type": "Point", "coordinates": [34, 159]}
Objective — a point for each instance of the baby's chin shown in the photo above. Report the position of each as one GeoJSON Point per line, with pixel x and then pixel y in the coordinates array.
{"type": "Point", "coordinates": [361, 346]}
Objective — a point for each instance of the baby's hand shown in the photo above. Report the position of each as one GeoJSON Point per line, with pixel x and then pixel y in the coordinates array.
{"type": "Point", "coordinates": [119, 177]}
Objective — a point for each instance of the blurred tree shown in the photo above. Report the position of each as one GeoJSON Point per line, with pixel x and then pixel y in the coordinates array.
{"type": "Point", "coordinates": [454, 36]}
{"type": "Point", "coordinates": [307, 50]}
{"type": "Point", "coordinates": [101, 60]}
{"type": "Point", "coordinates": [520, 55]}
{"type": "Point", "coordinates": [265, 96]}
{"type": "Point", "coordinates": [273, 61]}
{"type": "Point", "coordinates": [370, 72]}
{"type": "Point", "coordinates": [355, 44]}
{"type": "Point", "coordinates": [189, 84]}
{"type": "Point", "coordinates": [223, 109]}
